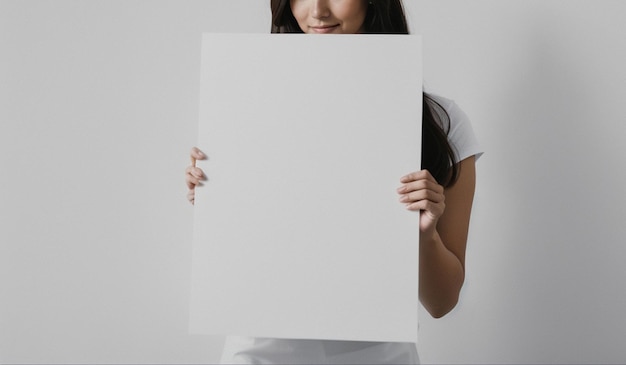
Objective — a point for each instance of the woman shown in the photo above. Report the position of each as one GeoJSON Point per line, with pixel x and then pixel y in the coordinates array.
{"type": "Point", "coordinates": [443, 191]}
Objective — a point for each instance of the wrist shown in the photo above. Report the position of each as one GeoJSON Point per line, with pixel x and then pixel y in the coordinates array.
{"type": "Point", "coordinates": [429, 237]}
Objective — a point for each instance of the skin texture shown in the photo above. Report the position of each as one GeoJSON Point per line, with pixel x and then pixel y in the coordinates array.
{"type": "Point", "coordinates": [444, 212]}
{"type": "Point", "coordinates": [444, 223]}
{"type": "Point", "coordinates": [194, 176]}
{"type": "Point", "coordinates": [330, 16]}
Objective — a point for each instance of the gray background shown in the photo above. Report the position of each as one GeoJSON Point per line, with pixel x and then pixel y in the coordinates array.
{"type": "Point", "coordinates": [98, 109]}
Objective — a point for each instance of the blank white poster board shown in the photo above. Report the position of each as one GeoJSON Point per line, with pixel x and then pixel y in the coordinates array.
{"type": "Point", "coordinates": [298, 231]}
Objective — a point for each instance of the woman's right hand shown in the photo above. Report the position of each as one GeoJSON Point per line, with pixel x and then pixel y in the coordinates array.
{"type": "Point", "coordinates": [194, 175]}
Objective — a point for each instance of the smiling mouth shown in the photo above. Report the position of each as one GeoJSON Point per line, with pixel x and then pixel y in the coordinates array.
{"type": "Point", "coordinates": [324, 28]}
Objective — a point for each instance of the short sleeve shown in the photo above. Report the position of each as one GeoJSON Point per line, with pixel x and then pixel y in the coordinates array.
{"type": "Point", "coordinates": [461, 134]}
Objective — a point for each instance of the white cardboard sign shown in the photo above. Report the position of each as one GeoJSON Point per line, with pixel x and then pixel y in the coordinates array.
{"type": "Point", "coordinates": [298, 231]}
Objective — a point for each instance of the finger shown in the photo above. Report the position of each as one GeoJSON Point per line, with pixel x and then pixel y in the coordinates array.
{"type": "Point", "coordinates": [435, 210]}
{"type": "Point", "coordinates": [193, 181]}
{"type": "Point", "coordinates": [191, 196]}
{"type": "Point", "coordinates": [422, 184]}
{"type": "Point", "coordinates": [196, 154]}
{"type": "Point", "coordinates": [422, 195]}
{"type": "Point", "coordinates": [417, 175]}
{"type": "Point", "coordinates": [195, 172]}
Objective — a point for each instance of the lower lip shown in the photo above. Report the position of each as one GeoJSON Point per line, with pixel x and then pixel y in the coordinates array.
{"type": "Point", "coordinates": [324, 30]}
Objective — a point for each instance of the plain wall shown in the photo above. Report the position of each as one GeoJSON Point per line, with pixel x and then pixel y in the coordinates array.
{"type": "Point", "coordinates": [98, 109]}
{"type": "Point", "coordinates": [543, 82]}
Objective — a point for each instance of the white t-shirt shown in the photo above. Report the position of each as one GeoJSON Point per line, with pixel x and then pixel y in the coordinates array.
{"type": "Point", "coordinates": [252, 350]}
{"type": "Point", "coordinates": [461, 135]}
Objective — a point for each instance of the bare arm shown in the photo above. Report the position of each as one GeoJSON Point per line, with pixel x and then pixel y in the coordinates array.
{"type": "Point", "coordinates": [444, 224]}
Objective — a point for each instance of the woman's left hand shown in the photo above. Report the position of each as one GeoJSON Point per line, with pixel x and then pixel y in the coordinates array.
{"type": "Point", "coordinates": [421, 192]}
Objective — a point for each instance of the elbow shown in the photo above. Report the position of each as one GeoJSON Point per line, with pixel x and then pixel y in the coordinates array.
{"type": "Point", "coordinates": [441, 302]}
{"type": "Point", "coordinates": [440, 297]}
{"type": "Point", "coordinates": [441, 310]}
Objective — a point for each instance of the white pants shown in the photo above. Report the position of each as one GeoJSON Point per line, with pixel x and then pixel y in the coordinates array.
{"type": "Point", "coordinates": [251, 350]}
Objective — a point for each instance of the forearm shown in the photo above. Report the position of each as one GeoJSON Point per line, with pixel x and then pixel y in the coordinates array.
{"type": "Point", "coordinates": [441, 276]}
{"type": "Point", "coordinates": [444, 224]}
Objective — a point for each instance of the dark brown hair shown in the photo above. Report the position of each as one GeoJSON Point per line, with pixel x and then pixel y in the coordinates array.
{"type": "Point", "coordinates": [387, 17]}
